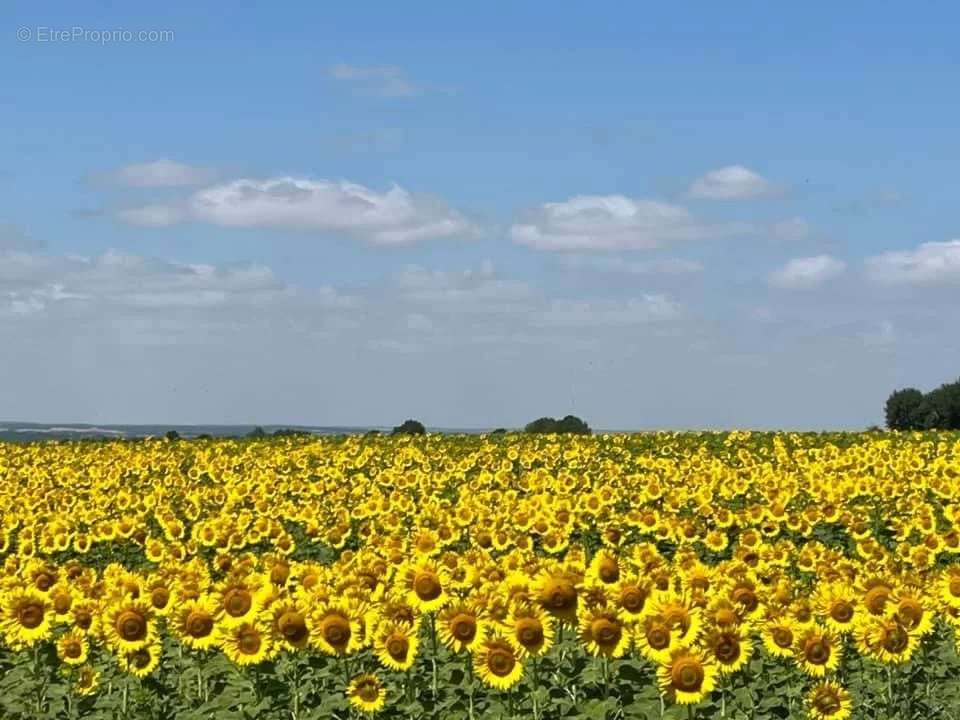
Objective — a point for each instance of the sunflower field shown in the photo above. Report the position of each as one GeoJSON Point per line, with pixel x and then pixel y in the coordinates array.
{"type": "Point", "coordinates": [660, 575]}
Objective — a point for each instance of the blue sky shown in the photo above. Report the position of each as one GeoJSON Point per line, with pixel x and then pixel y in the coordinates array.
{"type": "Point", "coordinates": [655, 216]}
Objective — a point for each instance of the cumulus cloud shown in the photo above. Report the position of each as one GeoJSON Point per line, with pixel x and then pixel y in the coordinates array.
{"type": "Point", "coordinates": [807, 273]}
{"type": "Point", "coordinates": [664, 266]}
{"type": "Point", "coordinates": [613, 222]}
{"type": "Point", "coordinates": [734, 182]}
{"type": "Point", "coordinates": [157, 174]}
{"type": "Point", "coordinates": [394, 217]}
{"type": "Point", "coordinates": [933, 263]}
{"type": "Point", "coordinates": [607, 312]}
{"type": "Point", "coordinates": [384, 80]}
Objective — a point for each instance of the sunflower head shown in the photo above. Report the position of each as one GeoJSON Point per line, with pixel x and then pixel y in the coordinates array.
{"type": "Point", "coordinates": [25, 617]}
{"type": "Point", "coordinates": [817, 651]}
{"type": "Point", "coordinates": [602, 632]}
{"type": "Point", "coordinates": [829, 701]}
{"type": "Point", "coordinates": [395, 645]}
{"type": "Point", "coordinates": [366, 693]}
{"type": "Point", "coordinates": [497, 664]}
{"type": "Point", "coordinates": [687, 677]}
{"type": "Point", "coordinates": [461, 626]}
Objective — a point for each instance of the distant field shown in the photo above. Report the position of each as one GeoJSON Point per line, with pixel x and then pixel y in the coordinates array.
{"type": "Point", "coordinates": [677, 575]}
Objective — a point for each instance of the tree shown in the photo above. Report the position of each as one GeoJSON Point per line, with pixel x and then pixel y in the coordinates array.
{"type": "Point", "coordinates": [172, 435]}
{"type": "Point", "coordinates": [257, 432]}
{"type": "Point", "coordinates": [903, 408]}
{"type": "Point", "coordinates": [940, 408]}
{"type": "Point", "coordinates": [570, 424]}
{"type": "Point", "coordinates": [410, 427]}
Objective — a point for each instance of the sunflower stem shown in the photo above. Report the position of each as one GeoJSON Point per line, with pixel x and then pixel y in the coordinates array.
{"type": "Point", "coordinates": [536, 688]}
{"type": "Point", "coordinates": [296, 689]}
{"type": "Point", "coordinates": [469, 661]}
{"type": "Point", "coordinates": [691, 712]}
{"type": "Point", "coordinates": [890, 687]}
{"type": "Point", "coordinates": [433, 659]}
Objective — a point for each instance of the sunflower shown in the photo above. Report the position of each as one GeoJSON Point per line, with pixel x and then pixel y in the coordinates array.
{"type": "Point", "coordinates": [654, 639]}
{"type": "Point", "coordinates": [336, 630]}
{"type": "Point", "coordinates": [887, 641]}
{"type": "Point", "coordinates": [367, 693]}
{"type": "Point", "coordinates": [779, 634]}
{"type": "Point", "coordinates": [948, 586]}
{"type": "Point", "coordinates": [630, 596]}
{"type": "Point", "coordinates": [723, 613]}
{"type": "Point", "coordinates": [25, 617]}
{"type": "Point", "coordinates": [556, 592]}
{"type": "Point", "coordinates": [239, 599]}
{"type": "Point", "coordinates": [461, 626]}
{"type": "Point", "coordinates": [829, 701]}
{"type": "Point", "coordinates": [142, 661]}
{"type": "Point", "coordinates": [817, 650]}
{"type": "Point", "coordinates": [246, 644]}
{"type": "Point", "coordinates": [603, 634]}
{"type": "Point", "coordinates": [85, 615]}
{"type": "Point", "coordinates": [86, 681]}
{"type": "Point", "coordinates": [127, 625]}
{"type": "Point", "coordinates": [194, 622]}
{"type": "Point", "coordinates": [687, 677]}
{"type": "Point", "coordinates": [730, 647]}
{"type": "Point", "coordinates": [73, 647]}
{"type": "Point", "coordinates": [395, 644]}
{"type": "Point", "coordinates": [836, 603]}
{"type": "Point", "coordinates": [603, 569]}
{"type": "Point", "coordinates": [911, 609]}
{"type": "Point", "coordinates": [497, 663]}
{"type": "Point", "coordinates": [530, 630]}
{"type": "Point", "coordinates": [290, 625]}
{"type": "Point", "coordinates": [424, 584]}
{"type": "Point", "coordinates": [680, 615]}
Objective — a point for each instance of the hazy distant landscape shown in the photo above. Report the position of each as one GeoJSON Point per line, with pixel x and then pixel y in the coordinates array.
{"type": "Point", "coordinates": [24, 431]}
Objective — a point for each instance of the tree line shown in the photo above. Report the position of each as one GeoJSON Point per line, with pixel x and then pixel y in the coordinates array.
{"type": "Point", "coordinates": [910, 409]}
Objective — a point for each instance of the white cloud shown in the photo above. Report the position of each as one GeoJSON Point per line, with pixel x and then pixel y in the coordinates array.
{"type": "Point", "coordinates": [933, 263]}
{"type": "Point", "coordinates": [385, 80]}
{"type": "Point", "coordinates": [479, 290]}
{"type": "Point", "coordinates": [607, 312]}
{"type": "Point", "coordinates": [118, 280]}
{"type": "Point", "coordinates": [733, 182]}
{"type": "Point", "coordinates": [665, 266]}
{"type": "Point", "coordinates": [613, 222]}
{"type": "Point", "coordinates": [793, 229]}
{"type": "Point", "coordinates": [807, 273]}
{"type": "Point", "coordinates": [156, 215]}
{"type": "Point", "coordinates": [157, 174]}
{"type": "Point", "coordinates": [394, 217]}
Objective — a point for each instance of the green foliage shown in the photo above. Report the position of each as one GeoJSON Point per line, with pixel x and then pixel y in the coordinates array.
{"type": "Point", "coordinates": [902, 407]}
{"type": "Point", "coordinates": [570, 424]}
{"type": "Point", "coordinates": [910, 409]}
{"type": "Point", "coordinates": [410, 427]}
